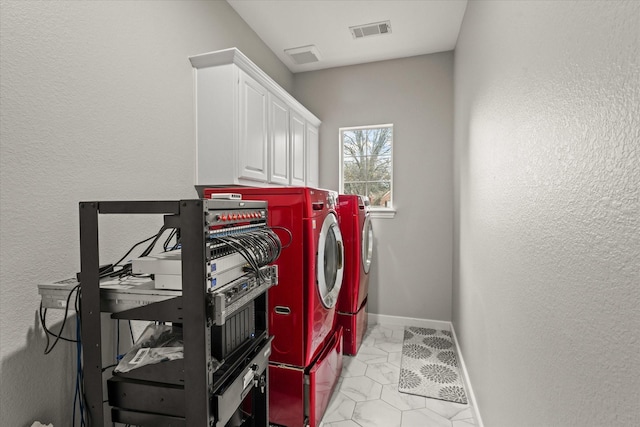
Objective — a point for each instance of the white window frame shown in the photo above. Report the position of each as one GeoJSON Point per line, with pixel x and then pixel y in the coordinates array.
{"type": "Point", "coordinates": [376, 211]}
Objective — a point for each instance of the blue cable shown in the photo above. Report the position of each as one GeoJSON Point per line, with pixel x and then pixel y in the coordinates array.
{"type": "Point", "coordinates": [117, 339]}
{"type": "Point", "coordinates": [77, 398]}
{"type": "Point", "coordinates": [81, 374]}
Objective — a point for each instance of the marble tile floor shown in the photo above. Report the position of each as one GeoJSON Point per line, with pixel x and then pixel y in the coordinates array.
{"type": "Point", "coordinates": [367, 392]}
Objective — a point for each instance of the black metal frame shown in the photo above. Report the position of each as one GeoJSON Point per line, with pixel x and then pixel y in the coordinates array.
{"type": "Point", "coordinates": [199, 382]}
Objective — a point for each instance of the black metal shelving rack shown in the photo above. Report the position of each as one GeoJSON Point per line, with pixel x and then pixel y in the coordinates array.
{"type": "Point", "coordinates": [208, 393]}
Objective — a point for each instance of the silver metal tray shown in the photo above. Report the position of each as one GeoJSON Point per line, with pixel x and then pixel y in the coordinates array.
{"type": "Point", "coordinates": [115, 294]}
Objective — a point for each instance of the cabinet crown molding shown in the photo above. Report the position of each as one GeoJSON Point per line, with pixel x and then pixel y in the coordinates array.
{"type": "Point", "coordinates": [234, 56]}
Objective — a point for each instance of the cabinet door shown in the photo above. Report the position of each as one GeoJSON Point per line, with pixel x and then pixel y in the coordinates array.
{"type": "Point", "coordinates": [279, 139]}
{"type": "Point", "coordinates": [312, 157]}
{"type": "Point", "coordinates": [298, 162]}
{"type": "Point", "coordinates": [252, 143]}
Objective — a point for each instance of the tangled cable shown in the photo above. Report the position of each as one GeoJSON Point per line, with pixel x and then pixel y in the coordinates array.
{"type": "Point", "coordinates": [259, 247]}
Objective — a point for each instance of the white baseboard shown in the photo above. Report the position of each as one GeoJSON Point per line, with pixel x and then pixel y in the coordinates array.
{"type": "Point", "coordinates": [467, 383]}
{"type": "Point", "coordinates": [382, 319]}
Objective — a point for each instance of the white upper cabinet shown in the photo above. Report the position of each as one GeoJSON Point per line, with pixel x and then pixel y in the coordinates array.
{"type": "Point", "coordinates": [298, 160]}
{"type": "Point", "coordinates": [252, 141]}
{"type": "Point", "coordinates": [279, 135]}
{"type": "Point", "coordinates": [312, 155]}
{"type": "Point", "coordinates": [249, 130]}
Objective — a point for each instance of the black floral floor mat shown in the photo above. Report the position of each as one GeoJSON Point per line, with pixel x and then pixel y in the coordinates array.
{"type": "Point", "coordinates": [429, 366]}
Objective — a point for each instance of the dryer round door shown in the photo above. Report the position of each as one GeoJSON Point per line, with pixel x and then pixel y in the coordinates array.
{"type": "Point", "coordinates": [367, 244]}
{"type": "Point", "coordinates": [330, 261]}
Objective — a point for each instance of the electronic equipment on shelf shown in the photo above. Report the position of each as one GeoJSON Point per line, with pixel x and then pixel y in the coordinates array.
{"type": "Point", "coordinates": [166, 268]}
{"type": "Point", "coordinates": [212, 284]}
{"type": "Point", "coordinates": [230, 298]}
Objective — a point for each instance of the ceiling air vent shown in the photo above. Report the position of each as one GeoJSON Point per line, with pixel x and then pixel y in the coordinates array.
{"type": "Point", "coordinates": [304, 54]}
{"type": "Point", "coordinates": [374, 29]}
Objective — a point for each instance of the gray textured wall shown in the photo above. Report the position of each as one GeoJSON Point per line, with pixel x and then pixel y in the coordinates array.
{"type": "Point", "coordinates": [97, 104]}
{"type": "Point", "coordinates": [547, 282]}
{"type": "Point", "coordinates": [411, 274]}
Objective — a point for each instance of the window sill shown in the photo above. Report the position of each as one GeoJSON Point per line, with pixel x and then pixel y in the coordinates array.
{"type": "Point", "coordinates": [383, 213]}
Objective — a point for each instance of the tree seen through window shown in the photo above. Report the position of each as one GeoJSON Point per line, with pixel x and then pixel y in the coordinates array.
{"type": "Point", "coordinates": [366, 163]}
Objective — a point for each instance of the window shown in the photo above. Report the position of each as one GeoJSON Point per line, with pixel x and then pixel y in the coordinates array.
{"type": "Point", "coordinates": [366, 164]}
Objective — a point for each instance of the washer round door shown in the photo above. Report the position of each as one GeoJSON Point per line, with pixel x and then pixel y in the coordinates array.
{"type": "Point", "coordinates": [367, 244]}
{"type": "Point", "coordinates": [330, 261]}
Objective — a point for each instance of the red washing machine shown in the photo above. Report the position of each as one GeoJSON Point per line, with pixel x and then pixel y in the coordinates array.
{"type": "Point", "coordinates": [306, 358]}
{"type": "Point", "coordinates": [357, 232]}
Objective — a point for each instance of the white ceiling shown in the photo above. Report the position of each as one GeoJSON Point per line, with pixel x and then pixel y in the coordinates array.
{"type": "Point", "coordinates": [417, 27]}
